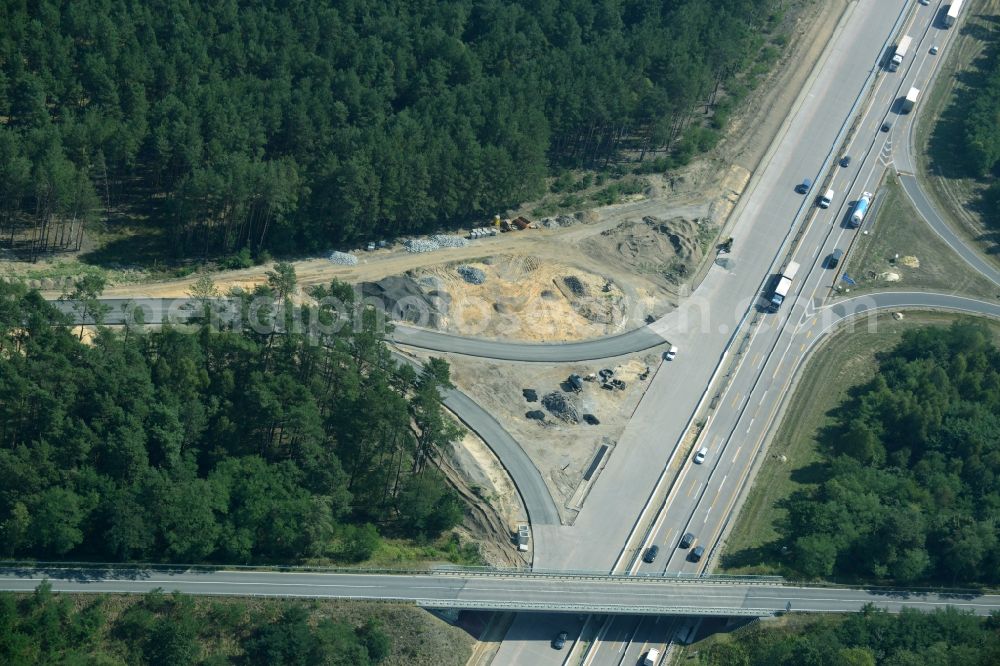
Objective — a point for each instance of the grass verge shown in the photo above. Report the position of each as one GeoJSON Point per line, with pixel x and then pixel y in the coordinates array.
{"type": "Point", "coordinates": [846, 360]}
{"type": "Point", "coordinates": [940, 129]}
{"type": "Point", "coordinates": [925, 263]}
{"type": "Point", "coordinates": [399, 553]}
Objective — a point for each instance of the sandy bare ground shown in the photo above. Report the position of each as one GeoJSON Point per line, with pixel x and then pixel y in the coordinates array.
{"type": "Point", "coordinates": [523, 298]}
{"type": "Point", "coordinates": [495, 507]}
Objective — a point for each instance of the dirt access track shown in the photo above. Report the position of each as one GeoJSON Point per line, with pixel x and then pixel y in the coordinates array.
{"type": "Point", "coordinates": [610, 271]}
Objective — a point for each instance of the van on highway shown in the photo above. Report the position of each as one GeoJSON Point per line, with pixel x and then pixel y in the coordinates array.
{"type": "Point", "coordinates": [833, 260]}
{"type": "Point", "coordinates": [826, 198]}
{"type": "Point", "coordinates": [652, 657]}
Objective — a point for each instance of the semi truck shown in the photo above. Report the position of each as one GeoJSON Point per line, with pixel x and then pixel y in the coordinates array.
{"type": "Point", "coordinates": [909, 101]}
{"type": "Point", "coordinates": [901, 49]}
{"type": "Point", "coordinates": [784, 284]}
{"type": "Point", "coordinates": [952, 15]}
{"type": "Point", "coordinates": [860, 208]}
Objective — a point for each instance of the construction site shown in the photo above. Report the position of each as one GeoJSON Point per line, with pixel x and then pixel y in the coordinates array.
{"type": "Point", "coordinates": [517, 277]}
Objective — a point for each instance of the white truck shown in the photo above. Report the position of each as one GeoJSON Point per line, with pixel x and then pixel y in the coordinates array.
{"type": "Point", "coordinates": [952, 15]}
{"type": "Point", "coordinates": [784, 284]}
{"type": "Point", "coordinates": [909, 101]}
{"type": "Point", "coordinates": [860, 208]}
{"type": "Point", "coordinates": [901, 49]}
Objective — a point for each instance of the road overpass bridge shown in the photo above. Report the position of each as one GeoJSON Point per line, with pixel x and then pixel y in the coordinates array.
{"type": "Point", "coordinates": [499, 590]}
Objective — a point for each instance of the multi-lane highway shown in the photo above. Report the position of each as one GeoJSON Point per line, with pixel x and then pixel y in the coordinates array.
{"type": "Point", "coordinates": [704, 498]}
{"type": "Point", "coordinates": [565, 593]}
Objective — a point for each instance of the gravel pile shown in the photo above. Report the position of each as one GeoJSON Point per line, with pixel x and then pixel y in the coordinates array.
{"type": "Point", "coordinates": [472, 275]}
{"type": "Point", "coordinates": [550, 223]}
{"type": "Point", "coordinates": [566, 220]}
{"type": "Point", "coordinates": [343, 258]}
{"type": "Point", "coordinates": [420, 245]}
{"type": "Point", "coordinates": [447, 240]}
{"type": "Point", "coordinates": [405, 300]}
{"type": "Point", "coordinates": [574, 285]}
{"type": "Point", "coordinates": [560, 406]}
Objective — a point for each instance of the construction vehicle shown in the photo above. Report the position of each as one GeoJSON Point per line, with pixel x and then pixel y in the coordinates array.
{"type": "Point", "coordinates": [901, 49]}
{"type": "Point", "coordinates": [784, 284]}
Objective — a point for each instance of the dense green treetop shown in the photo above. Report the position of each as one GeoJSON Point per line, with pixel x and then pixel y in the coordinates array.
{"type": "Point", "coordinates": [300, 124]}
{"type": "Point", "coordinates": [911, 488]}
{"type": "Point", "coordinates": [232, 445]}
{"type": "Point", "coordinates": [177, 630]}
{"type": "Point", "coordinates": [942, 638]}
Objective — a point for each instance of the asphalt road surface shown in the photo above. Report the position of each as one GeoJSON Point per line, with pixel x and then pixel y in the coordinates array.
{"type": "Point", "coordinates": [926, 209]}
{"type": "Point", "coordinates": [704, 495]}
{"type": "Point", "coordinates": [767, 354]}
{"type": "Point", "coordinates": [572, 594]}
{"type": "Point", "coordinates": [534, 493]}
{"type": "Point", "coordinates": [636, 340]}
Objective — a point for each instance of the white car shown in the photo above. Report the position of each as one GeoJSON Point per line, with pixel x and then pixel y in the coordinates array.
{"type": "Point", "coordinates": [934, 50]}
{"type": "Point", "coordinates": [699, 457]}
{"type": "Point", "coordinates": [925, 2]}
{"type": "Point", "coordinates": [670, 354]}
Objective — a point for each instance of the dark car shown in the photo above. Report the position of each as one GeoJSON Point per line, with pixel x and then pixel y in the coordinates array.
{"type": "Point", "coordinates": [804, 186]}
{"type": "Point", "coordinates": [886, 126]}
{"type": "Point", "coordinates": [696, 554]}
{"type": "Point", "coordinates": [845, 161]}
{"type": "Point", "coordinates": [650, 554]}
{"type": "Point", "coordinates": [559, 641]}
{"type": "Point", "coordinates": [834, 259]}
{"type": "Point", "coordinates": [687, 540]}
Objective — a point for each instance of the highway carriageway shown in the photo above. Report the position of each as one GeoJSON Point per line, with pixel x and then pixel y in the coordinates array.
{"type": "Point", "coordinates": [574, 593]}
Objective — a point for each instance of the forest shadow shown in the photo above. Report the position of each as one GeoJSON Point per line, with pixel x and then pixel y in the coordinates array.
{"type": "Point", "coordinates": [946, 145]}
{"type": "Point", "coordinates": [146, 247]}
{"type": "Point", "coordinates": [767, 554]}
{"type": "Point", "coordinates": [991, 238]}
{"type": "Point", "coordinates": [812, 474]}
{"type": "Point", "coordinates": [134, 234]}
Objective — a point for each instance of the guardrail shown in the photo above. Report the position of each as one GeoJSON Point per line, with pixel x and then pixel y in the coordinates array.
{"type": "Point", "coordinates": [454, 570]}
{"type": "Point", "coordinates": [624, 609]}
